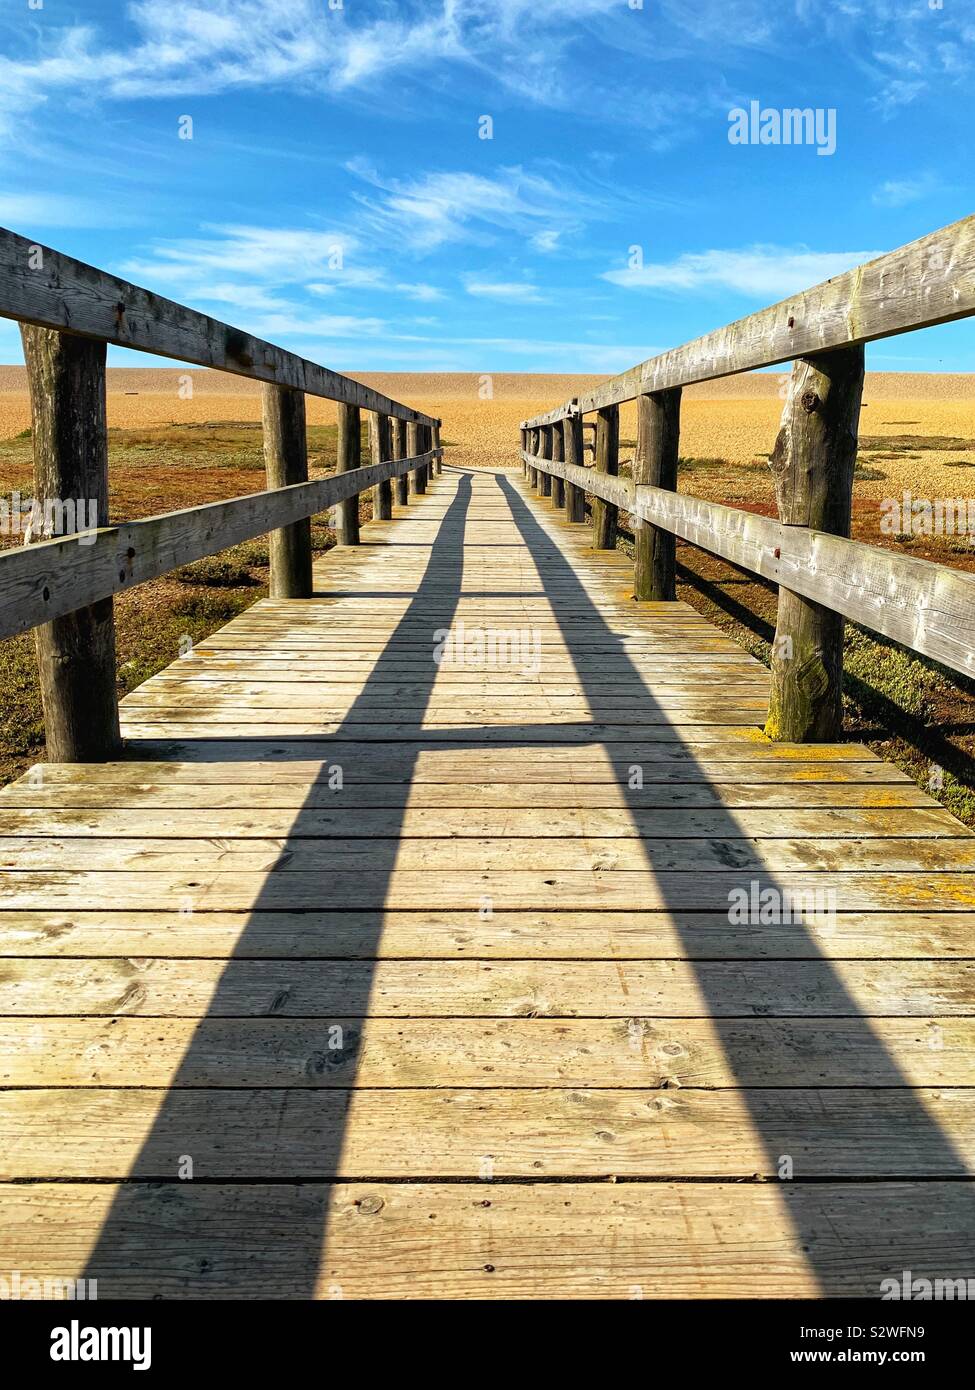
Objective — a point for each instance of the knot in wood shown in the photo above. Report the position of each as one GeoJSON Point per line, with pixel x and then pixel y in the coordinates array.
{"type": "Point", "coordinates": [809, 401]}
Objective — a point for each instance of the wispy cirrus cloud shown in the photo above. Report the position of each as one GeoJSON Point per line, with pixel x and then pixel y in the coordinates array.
{"type": "Point", "coordinates": [432, 209]}
{"type": "Point", "coordinates": [760, 271]}
{"type": "Point", "coordinates": [29, 210]}
{"type": "Point", "coordinates": [507, 291]}
{"type": "Point", "coordinates": [898, 193]}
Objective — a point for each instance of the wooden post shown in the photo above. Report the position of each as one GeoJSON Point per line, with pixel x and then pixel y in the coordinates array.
{"type": "Point", "coordinates": [399, 452]}
{"type": "Point", "coordinates": [75, 653]}
{"type": "Point", "coordinates": [558, 454]}
{"type": "Point", "coordinates": [524, 450]}
{"type": "Point", "coordinates": [604, 514]}
{"type": "Point", "coordinates": [575, 497]}
{"type": "Point", "coordinates": [382, 493]}
{"type": "Point", "coordinates": [286, 462]}
{"type": "Point", "coordinates": [435, 444]}
{"type": "Point", "coordinates": [545, 452]}
{"type": "Point", "coordinates": [812, 464]}
{"type": "Point", "coordinates": [655, 463]}
{"type": "Point", "coordinates": [349, 456]}
{"type": "Point", "coordinates": [414, 445]}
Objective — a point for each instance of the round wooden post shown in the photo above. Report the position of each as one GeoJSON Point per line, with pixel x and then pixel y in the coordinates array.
{"type": "Point", "coordinates": [558, 456]}
{"type": "Point", "coordinates": [655, 463]}
{"type": "Point", "coordinates": [286, 462]}
{"type": "Point", "coordinates": [75, 653]}
{"type": "Point", "coordinates": [545, 452]}
{"type": "Point", "coordinates": [575, 497]}
{"type": "Point", "coordinates": [349, 456]}
{"type": "Point", "coordinates": [812, 464]}
{"type": "Point", "coordinates": [399, 452]}
{"type": "Point", "coordinates": [414, 445]}
{"type": "Point", "coordinates": [604, 514]}
{"type": "Point", "coordinates": [382, 493]}
{"type": "Point", "coordinates": [435, 444]}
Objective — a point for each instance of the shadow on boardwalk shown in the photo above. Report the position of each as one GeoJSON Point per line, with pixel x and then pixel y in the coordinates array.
{"type": "Point", "coordinates": [281, 1241]}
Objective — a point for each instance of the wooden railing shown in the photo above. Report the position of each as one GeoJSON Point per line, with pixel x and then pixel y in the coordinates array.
{"type": "Point", "coordinates": [69, 312]}
{"type": "Point", "coordinates": [823, 576]}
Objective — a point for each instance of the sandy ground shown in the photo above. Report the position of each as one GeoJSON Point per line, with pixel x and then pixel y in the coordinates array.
{"type": "Point", "coordinates": [734, 419]}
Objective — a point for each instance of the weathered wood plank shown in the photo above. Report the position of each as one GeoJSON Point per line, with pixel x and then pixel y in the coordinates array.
{"type": "Point", "coordinates": [38, 583]}
{"type": "Point", "coordinates": [209, 853]}
{"type": "Point", "coordinates": [476, 890]}
{"type": "Point", "coordinates": [458, 935]}
{"type": "Point", "coordinates": [486, 989]}
{"type": "Point", "coordinates": [596, 1133]}
{"type": "Point", "coordinates": [63, 293]}
{"type": "Point", "coordinates": [926, 282]}
{"type": "Point", "coordinates": [925, 606]}
{"type": "Point", "coordinates": [487, 1053]}
{"type": "Point", "coordinates": [489, 1240]}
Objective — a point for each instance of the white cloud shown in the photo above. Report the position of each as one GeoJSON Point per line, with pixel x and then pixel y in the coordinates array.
{"type": "Point", "coordinates": [897, 193]}
{"type": "Point", "coordinates": [762, 271]}
{"type": "Point", "coordinates": [22, 210]}
{"type": "Point", "coordinates": [424, 293]}
{"type": "Point", "coordinates": [547, 240]}
{"type": "Point", "coordinates": [507, 291]}
{"type": "Point", "coordinates": [539, 50]}
{"type": "Point", "coordinates": [433, 209]}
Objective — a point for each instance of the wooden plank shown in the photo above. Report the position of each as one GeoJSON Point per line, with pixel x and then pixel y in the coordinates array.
{"type": "Point", "coordinates": [927, 282]}
{"type": "Point", "coordinates": [488, 1240]}
{"type": "Point", "coordinates": [67, 294]}
{"type": "Point", "coordinates": [925, 606]}
{"type": "Point", "coordinates": [42, 582]}
{"type": "Point", "coordinates": [487, 1053]}
{"type": "Point", "coordinates": [236, 890]}
{"type": "Point", "coordinates": [209, 854]}
{"type": "Point", "coordinates": [244, 824]}
{"type": "Point", "coordinates": [71, 808]}
{"type": "Point", "coordinates": [458, 935]}
{"type": "Point", "coordinates": [486, 989]}
{"type": "Point", "coordinates": [662, 933]}
{"type": "Point", "coordinates": [250, 1135]}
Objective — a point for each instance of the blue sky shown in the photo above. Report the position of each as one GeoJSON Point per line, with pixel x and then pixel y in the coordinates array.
{"type": "Point", "coordinates": [337, 197]}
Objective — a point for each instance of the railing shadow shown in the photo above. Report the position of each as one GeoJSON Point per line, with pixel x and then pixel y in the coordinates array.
{"type": "Point", "coordinates": [153, 1224]}
{"type": "Point", "coordinates": [861, 1045]}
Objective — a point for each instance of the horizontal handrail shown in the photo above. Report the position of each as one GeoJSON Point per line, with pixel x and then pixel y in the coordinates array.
{"type": "Point", "coordinates": [52, 578]}
{"type": "Point", "coordinates": [44, 287]}
{"type": "Point", "coordinates": [927, 282]}
{"type": "Point", "coordinates": [923, 605]}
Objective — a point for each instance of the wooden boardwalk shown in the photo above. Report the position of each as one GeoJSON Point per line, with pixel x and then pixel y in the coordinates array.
{"type": "Point", "coordinates": [426, 973]}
